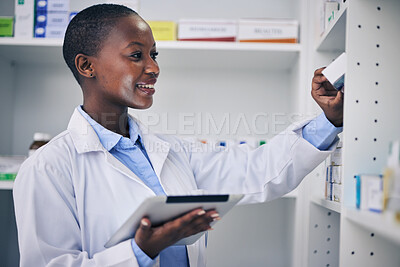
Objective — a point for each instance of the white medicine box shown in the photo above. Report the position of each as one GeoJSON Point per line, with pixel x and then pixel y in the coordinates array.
{"type": "Point", "coordinates": [52, 5]}
{"type": "Point", "coordinates": [207, 30]}
{"type": "Point", "coordinates": [268, 30]}
{"type": "Point", "coordinates": [58, 19]}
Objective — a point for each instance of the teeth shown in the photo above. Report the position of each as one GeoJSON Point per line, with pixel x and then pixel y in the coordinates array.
{"type": "Point", "coordinates": [145, 85]}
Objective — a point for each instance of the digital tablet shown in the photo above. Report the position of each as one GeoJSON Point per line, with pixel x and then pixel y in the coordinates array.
{"type": "Point", "coordinates": [161, 209]}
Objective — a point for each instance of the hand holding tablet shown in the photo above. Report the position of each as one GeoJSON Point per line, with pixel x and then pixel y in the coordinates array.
{"type": "Point", "coordinates": [174, 220]}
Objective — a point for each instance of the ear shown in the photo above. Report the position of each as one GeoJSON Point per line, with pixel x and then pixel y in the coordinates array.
{"type": "Point", "coordinates": [84, 65]}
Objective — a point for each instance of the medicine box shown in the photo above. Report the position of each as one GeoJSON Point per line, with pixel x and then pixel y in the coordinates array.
{"type": "Point", "coordinates": [335, 174]}
{"type": "Point", "coordinates": [268, 30]}
{"type": "Point", "coordinates": [337, 193]}
{"type": "Point", "coordinates": [369, 192]}
{"type": "Point", "coordinates": [331, 9]}
{"type": "Point", "coordinates": [24, 18]}
{"type": "Point", "coordinates": [163, 30]}
{"type": "Point", "coordinates": [52, 5]}
{"type": "Point", "coordinates": [58, 19]}
{"type": "Point", "coordinates": [9, 166]}
{"type": "Point", "coordinates": [49, 32]}
{"type": "Point", "coordinates": [207, 30]}
{"type": "Point", "coordinates": [6, 26]}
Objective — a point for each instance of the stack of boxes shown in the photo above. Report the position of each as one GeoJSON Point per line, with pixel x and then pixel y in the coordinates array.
{"type": "Point", "coordinates": [51, 18]}
{"type": "Point", "coordinates": [333, 182]}
{"type": "Point", "coordinates": [244, 30]}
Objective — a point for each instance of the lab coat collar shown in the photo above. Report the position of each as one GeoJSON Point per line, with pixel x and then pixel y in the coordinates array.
{"type": "Point", "coordinates": [85, 140]}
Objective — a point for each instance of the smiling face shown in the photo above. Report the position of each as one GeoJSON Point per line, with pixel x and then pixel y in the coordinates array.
{"type": "Point", "coordinates": [125, 68]}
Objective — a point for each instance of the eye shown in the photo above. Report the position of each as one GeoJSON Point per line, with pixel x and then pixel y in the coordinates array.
{"type": "Point", "coordinates": [136, 55]}
{"type": "Point", "coordinates": [154, 55]}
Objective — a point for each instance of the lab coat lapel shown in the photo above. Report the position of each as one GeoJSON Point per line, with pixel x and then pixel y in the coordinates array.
{"type": "Point", "coordinates": [156, 148]}
{"type": "Point", "coordinates": [86, 140]}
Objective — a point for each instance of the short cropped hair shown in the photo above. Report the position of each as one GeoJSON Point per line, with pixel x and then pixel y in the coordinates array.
{"type": "Point", "coordinates": [88, 29]}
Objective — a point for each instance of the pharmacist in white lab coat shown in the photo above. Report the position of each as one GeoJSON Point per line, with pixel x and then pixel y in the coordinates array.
{"type": "Point", "coordinates": [75, 192]}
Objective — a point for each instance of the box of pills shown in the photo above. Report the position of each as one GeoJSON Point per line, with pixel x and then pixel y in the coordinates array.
{"type": "Point", "coordinates": [57, 19]}
{"type": "Point", "coordinates": [207, 30]}
{"type": "Point", "coordinates": [331, 9]}
{"type": "Point", "coordinates": [268, 30]}
{"type": "Point", "coordinates": [6, 26]}
{"type": "Point", "coordinates": [369, 192]}
{"type": "Point", "coordinates": [24, 18]}
{"type": "Point", "coordinates": [52, 5]}
{"type": "Point", "coordinates": [50, 32]}
{"type": "Point", "coordinates": [163, 30]}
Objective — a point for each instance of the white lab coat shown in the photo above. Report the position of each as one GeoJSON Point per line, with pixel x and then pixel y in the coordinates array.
{"type": "Point", "coordinates": [72, 194]}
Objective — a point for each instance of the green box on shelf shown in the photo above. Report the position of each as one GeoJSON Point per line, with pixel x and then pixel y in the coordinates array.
{"type": "Point", "coordinates": [6, 26]}
{"type": "Point", "coordinates": [7, 176]}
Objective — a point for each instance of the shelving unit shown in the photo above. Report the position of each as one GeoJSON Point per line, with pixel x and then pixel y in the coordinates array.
{"type": "Point", "coordinates": [361, 29]}
{"type": "Point", "coordinates": [6, 185]}
{"type": "Point", "coordinates": [382, 224]}
{"type": "Point", "coordinates": [327, 204]}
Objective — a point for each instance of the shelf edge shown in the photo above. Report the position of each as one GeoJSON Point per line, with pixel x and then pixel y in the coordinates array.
{"type": "Point", "coordinates": [370, 221]}
{"type": "Point", "coordinates": [330, 205]}
{"type": "Point", "coordinates": [6, 185]}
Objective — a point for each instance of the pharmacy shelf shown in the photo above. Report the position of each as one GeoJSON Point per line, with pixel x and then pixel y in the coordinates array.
{"type": "Point", "coordinates": [333, 39]}
{"type": "Point", "coordinates": [172, 53]}
{"type": "Point", "coordinates": [382, 224]}
{"type": "Point", "coordinates": [330, 205]}
{"type": "Point", "coordinates": [6, 185]}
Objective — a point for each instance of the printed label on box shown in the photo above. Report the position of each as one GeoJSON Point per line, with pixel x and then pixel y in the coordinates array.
{"type": "Point", "coordinates": [207, 30]}
{"type": "Point", "coordinates": [274, 31]}
{"type": "Point", "coordinates": [57, 19]}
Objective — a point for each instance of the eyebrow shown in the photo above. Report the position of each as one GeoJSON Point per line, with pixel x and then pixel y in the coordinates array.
{"type": "Point", "coordinates": [137, 43]}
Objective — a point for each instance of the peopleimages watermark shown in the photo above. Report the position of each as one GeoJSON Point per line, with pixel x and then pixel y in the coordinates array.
{"type": "Point", "coordinates": [208, 123]}
{"type": "Point", "coordinates": [220, 126]}
{"type": "Point", "coordinates": [227, 123]}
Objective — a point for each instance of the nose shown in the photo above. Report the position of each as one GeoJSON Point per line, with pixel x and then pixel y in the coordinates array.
{"type": "Point", "coordinates": [152, 68]}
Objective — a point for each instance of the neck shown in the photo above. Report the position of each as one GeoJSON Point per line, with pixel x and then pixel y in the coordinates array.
{"type": "Point", "coordinates": [113, 119]}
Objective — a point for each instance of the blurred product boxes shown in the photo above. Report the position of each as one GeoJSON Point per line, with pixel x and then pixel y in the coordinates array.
{"type": "Point", "coordinates": [51, 18]}
{"type": "Point", "coordinates": [6, 26]}
{"type": "Point", "coordinates": [391, 180]}
{"type": "Point", "coordinates": [24, 18]}
{"type": "Point", "coordinates": [268, 31]}
{"type": "Point", "coordinates": [333, 181]}
{"type": "Point", "coordinates": [207, 30]}
{"type": "Point", "coordinates": [9, 167]}
{"type": "Point", "coordinates": [163, 30]}
{"type": "Point", "coordinates": [369, 192]}
{"type": "Point", "coordinates": [328, 12]}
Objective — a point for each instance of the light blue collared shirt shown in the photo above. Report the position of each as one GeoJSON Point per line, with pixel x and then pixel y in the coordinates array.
{"type": "Point", "coordinates": [132, 153]}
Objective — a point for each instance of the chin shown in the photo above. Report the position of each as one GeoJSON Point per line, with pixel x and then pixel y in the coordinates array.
{"type": "Point", "coordinates": [142, 105]}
